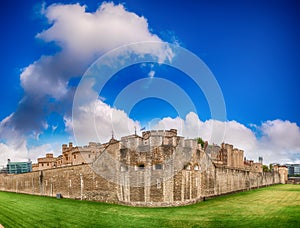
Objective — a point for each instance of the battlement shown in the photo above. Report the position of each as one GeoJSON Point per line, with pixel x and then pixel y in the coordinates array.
{"type": "Point", "coordinates": [65, 147]}
{"type": "Point", "coordinates": [49, 155]}
{"type": "Point", "coordinates": [153, 145]}
{"type": "Point", "coordinates": [153, 138]}
{"type": "Point", "coordinates": [161, 133]}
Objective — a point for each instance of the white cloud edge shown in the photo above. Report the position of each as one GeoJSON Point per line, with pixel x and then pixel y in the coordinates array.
{"type": "Point", "coordinates": [237, 134]}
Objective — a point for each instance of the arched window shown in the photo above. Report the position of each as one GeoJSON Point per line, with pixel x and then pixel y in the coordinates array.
{"type": "Point", "coordinates": [196, 167]}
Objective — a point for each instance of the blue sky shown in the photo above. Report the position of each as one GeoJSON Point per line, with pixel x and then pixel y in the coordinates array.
{"type": "Point", "coordinates": [251, 47]}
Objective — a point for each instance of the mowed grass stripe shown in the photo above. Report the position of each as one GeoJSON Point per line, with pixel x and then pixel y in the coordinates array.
{"type": "Point", "coordinates": [275, 206]}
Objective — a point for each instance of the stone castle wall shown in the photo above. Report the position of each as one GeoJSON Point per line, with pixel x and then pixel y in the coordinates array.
{"type": "Point", "coordinates": [158, 169]}
{"type": "Point", "coordinates": [185, 187]}
{"type": "Point", "coordinates": [77, 182]}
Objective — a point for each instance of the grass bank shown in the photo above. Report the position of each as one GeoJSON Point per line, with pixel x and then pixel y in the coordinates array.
{"type": "Point", "coordinates": [275, 206]}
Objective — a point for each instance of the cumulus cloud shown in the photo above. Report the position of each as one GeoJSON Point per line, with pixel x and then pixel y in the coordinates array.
{"type": "Point", "coordinates": [279, 141]}
{"type": "Point", "coordinates": [84, 33]}
{"type": "Point", "coordinates": [82, 37]}
{"type": "Point", "coordinates": [40, 151]}
{"type": "Point", "coordinates": [283, 134]}
{"type": "Point", "coordinates": [13, 153]}
{"type": "Point", "coordinates": [97, 122]}
{"type": "Point", "coordinates": [22, 153]}
{"type": "Point", "coordinates": [88, 34]}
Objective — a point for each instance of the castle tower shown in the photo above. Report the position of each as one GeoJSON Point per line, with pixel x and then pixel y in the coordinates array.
{"type": "Point", "coordinates": [283, 174]}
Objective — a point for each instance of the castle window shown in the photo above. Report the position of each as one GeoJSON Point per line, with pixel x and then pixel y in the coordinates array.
{"type": "Point", "coordinates": [141, 166]}
{"type": "Point", "coordinates": [89, 156]}
{"type": "Point", "coordinates": [74, 156]}
{"type": "Point", "coordinates": [158, 166]}
{"type": "Point", "coordinates": [123, 153]}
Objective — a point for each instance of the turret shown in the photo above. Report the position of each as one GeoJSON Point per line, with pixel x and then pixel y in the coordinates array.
{"type": "Point", "coordinates": [64, 147]}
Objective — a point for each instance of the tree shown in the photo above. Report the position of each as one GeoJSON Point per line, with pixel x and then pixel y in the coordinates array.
{"type": "Point", "coordinates": [271, 167]}
{"type": "Point", "coordinates": [265, 168]}
{"type": "Point", "coordinates": [200, 141]}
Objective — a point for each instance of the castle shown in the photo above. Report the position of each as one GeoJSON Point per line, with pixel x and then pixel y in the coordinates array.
{"type": "Point", "coordinates": [158, 168]}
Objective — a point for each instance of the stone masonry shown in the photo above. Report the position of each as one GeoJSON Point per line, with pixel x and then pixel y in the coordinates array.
{"type": "Point", "coordinates": [158, 168]}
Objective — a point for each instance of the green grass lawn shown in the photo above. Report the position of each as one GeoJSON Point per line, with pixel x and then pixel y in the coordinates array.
{"type": "Point", "coordinates": [275, 206]}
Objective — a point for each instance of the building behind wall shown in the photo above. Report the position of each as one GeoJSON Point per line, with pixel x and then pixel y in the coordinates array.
{"type": "Point", "coordinates": [19, 167]}
{"type": "Point", "coordinates": [293, 169]}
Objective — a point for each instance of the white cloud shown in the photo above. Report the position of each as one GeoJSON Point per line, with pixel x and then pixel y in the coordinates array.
{"type": "Point", "coordinates": [20, 152]}
{"type": "Point", "coordinates": [40, 151]}
{"type": "Point", "coordinates": [82, 37]}
{"type": "Point", "coordinates": [280, 141]}
{"type": "Point", "coordinates": [97, 121]}
{"type": "Point", "coordinates": [13, 152]}
{"type": "Point", "coordinates": [283, 134]}
{"type": "Point", "coordinates": [47, 76]}
{"type": "Point", "coordinates": [81, 32]}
